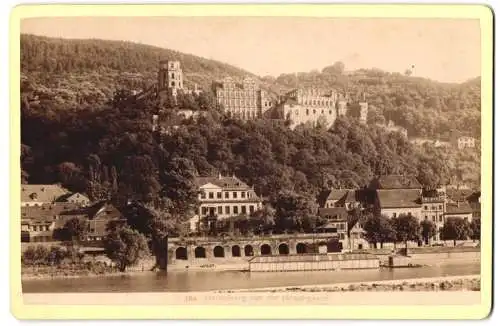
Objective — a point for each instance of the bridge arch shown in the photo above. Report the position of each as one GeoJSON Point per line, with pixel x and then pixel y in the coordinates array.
{"type": "Point", "coordinates": [181, 253]}
{"type": "Point", "coordinates": [283, 249]}
{"type": "Point", "coordinates": [248, 251]}
{"type": "Point", "coordinates": [218, 251]}
{"type": "Point", "coordinates": [301, 248]}
{"type": "Point", "coordinates": [265, 250]}
{"type": "Point", "coordinates": [200, 252]}
{"type": "Point", "coordinates": [236, 251]}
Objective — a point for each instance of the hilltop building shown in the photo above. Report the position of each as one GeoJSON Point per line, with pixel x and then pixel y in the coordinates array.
{"type": "Point", "coordinates": [465, 142]}
{"type": "Point", "coordinates": [221, 197]}
{"type": "Point", "coordinates": [301, 106]}
{"type": "Point", "coordinates": [242, 100]}
{"type": "Point", "coordinates": [171, 78]}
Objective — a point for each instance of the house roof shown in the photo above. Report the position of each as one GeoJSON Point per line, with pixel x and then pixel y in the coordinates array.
{"type": "Point", "coordinates": [75, 196]}
{"type": "Point", "coordinates": [223, 182]}
{"type": "Point", "coordinates": [103, 210]}
{"type": "Point", "coordinates": [60, 212]}
{"type": "Point", "coordinates": [42, 193]}
{"type": "Point", "coordinates": [338, 212]}
{"type": "Point", "coordinates": [399, 198]}
{"type": "Point", "coordinates": [333, 194]}
{"type": "Point", "coordinates": [459, 208]}
{"type": "Point", "coordinates": [395, 182]}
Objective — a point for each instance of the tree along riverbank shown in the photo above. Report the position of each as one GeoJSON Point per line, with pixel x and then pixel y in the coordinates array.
{"type": "Point", "coordinates": [447, 283]}
{"type": "Point", "coordinates": [87, 269]}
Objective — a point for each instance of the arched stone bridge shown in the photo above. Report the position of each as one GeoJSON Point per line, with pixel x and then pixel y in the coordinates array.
{"type": "Point", "coordinates": [215, 250]}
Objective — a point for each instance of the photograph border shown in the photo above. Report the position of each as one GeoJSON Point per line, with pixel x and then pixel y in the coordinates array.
{"type": "Point", "coordinates": [483, 13]}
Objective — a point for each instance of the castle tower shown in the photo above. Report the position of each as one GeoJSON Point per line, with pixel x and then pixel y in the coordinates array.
{"type": "Point", "coordinates": [170, 76]}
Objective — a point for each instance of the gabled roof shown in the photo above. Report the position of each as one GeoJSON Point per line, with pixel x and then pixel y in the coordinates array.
{"type": "Point", "coordinates": [333, 212]}
{"type": "Point", "coordinates": [342, 196]}
{"type": "Point", "coordinates": [47, 212]}
{"type": "Point", "coordinates": [395, 182]}
{"type": "Point", "coordinates": [42, 193]}
{"type": "Point", "coordinates": [75, 196]}
{"type": "Point", "coordinates": [223, 182]}
{"type": "Point", "coordinates": [399, 198]}
{"type": "Point", "coordinates": [103, 210]}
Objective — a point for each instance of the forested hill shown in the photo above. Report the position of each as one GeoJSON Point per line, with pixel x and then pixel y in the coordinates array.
{"type": "Point", "coordinates": [77, 71]}
{"type": "Point", "coordinates": [427, 108]}
{"type": "Point", "coordinates": [80, 74]}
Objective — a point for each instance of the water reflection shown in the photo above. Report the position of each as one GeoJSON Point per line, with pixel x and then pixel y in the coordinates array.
{"type": "Point", "coordinates": [206, 281]}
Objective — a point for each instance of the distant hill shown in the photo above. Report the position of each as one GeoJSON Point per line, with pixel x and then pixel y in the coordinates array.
{"type": "Point", "coordinates": [71, 73]}
{"type": "Point", "coordinates": [427, 108]}
{"type": "Point", "coordinates": [79, 71]}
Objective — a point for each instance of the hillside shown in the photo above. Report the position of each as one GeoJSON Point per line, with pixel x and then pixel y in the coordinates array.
{"type": "Point", "coordinates": [75, 72]}
{"type": "Point", "coordinates": [425, 107]}
{"type": "Point", "coordinates": [78, 74]}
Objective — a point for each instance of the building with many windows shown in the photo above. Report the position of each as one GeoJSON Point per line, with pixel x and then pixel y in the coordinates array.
{"type": "Point", "coordinates": [466, 142]}
{"type": "Point", "coordinates": [222, 197]}
{"type": "Point", "coordinates": [433, 209]}
{"type": "Point", "coordinates": [315, 106]}
{"type": "Point", "coordinates": [244, 100]}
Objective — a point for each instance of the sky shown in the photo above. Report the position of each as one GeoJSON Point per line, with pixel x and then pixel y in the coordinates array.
{"type": "Point", "coordinates": [448, 50]}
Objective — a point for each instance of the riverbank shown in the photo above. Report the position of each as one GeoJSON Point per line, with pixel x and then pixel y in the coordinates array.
{"type": "Point", "coordinates": [445, 283]}
{"type": "Point", "coordinates": [59, 272]}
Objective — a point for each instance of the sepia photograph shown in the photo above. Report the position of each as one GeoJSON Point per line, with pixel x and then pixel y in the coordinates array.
{"type": "Point", "coordinates": [252, 160]}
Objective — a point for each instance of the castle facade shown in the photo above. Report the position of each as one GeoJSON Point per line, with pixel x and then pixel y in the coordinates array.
{"type": "Point", "coordinates": [242, 100]}
{"type": "Point", "coordinates": [314, 106]}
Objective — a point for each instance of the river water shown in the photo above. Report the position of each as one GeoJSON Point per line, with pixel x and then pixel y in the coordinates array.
{"type": "Point", "coordinates": [206, 281]}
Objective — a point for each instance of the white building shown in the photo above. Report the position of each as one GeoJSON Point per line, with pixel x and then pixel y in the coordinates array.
{"type": "Point", "coordinates": [222, 197]}
{"type": "Point", "coordinates": [466, 142]}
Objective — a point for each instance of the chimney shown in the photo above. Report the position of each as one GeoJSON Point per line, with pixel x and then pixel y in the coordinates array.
{"type": "Point", "coordinates": [220, 176]}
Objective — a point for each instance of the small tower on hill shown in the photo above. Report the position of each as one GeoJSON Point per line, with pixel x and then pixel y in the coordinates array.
{"type": "Point", "coordinates": [170, 76]}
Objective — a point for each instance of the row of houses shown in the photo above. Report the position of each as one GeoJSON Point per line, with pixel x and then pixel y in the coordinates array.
{"type": "Point", "coordinates": [393, 195]}
{"type": "Point", "coordinates": [46, 208]}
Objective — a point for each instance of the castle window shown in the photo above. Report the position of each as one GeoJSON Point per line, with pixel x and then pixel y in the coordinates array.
{"type": "Point", "coordinates": [219, 210]}
{"type": "Point", "coordinates": [219, 195]}
{"type": "Point", "coordinates": [235, 209]}
{"type": "Point", "coordinates": [211, 195]}
{"type": "Point", "coordinates": [173, 76]}
{"type": "Point", "coordinates": [314, 111]}
{"type": "Point", "coordinates": [226, 194]}
{"type": "Point", "coordinates": [228, 210]}
{"type": "Point", "coordinates": [307, 112]}
{"type": "Point", "coordinates": [322, 111]}
{"type": "Point", "coordinates": [330, 112]}
{"type": "Point", "coordinates": [235, 194]}
{"type": "Point", "coordinates": [173, 83]}
{"type": "Point", "coordinates": [242, 194]}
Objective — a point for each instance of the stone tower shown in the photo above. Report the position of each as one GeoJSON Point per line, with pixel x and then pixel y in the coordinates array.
{"type": "Point", "coordinates": [170, 76]}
